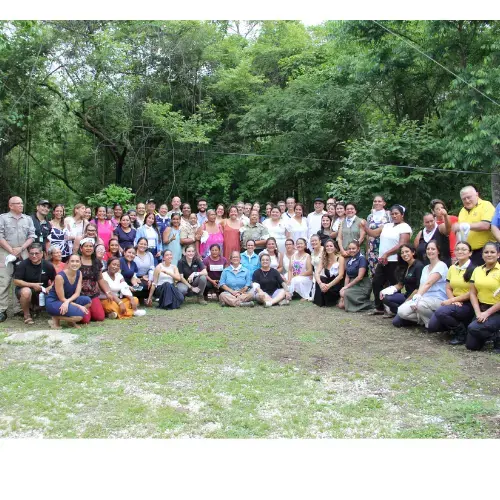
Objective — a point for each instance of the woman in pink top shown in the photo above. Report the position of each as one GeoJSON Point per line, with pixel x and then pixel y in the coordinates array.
{"type": "Point", "coordinates": [104, 226]}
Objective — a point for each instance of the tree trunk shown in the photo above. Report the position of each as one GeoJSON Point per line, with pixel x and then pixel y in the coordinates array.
{"type": "Point", "coordinates": [495, 188]}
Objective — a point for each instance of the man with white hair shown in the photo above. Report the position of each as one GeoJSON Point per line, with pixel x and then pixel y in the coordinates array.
{"type": "Point", "coordinates": [474, 222]}
{"type": "Point", "coordinates": [17, 233]}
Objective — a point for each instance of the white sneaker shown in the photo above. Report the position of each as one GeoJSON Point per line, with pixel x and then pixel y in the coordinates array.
{"type": "Point", "coordinates": [268, 304]}
{"type": "Point", "coordinates": [284, 302]}
{"type": "Point", "coordinates": [112, 315]}
{"type": "Point", "coordinates": [139, 312]}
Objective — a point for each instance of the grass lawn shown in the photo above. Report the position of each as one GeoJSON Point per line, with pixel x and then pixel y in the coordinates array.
{"type": "Point", "coordinates": [297, 371]}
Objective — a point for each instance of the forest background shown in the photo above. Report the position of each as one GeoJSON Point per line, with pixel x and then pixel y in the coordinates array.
{"type": "Point", "coordinates": [253, 110]}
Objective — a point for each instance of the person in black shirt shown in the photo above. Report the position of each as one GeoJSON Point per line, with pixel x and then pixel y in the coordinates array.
{"type": "Point", "coordinates": [33, 276]}
{"type": "Point", "coordinates": [42, 225]}
{"type": "Point", "coordinates": [193, 275]}
{"type": "Point", "coordinates": [270, 287]}
{"type": "Point", "coordinates": [409, 272]}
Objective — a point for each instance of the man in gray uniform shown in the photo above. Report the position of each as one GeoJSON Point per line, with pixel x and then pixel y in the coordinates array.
{"type": "Point", "coordinates": [17, 233]}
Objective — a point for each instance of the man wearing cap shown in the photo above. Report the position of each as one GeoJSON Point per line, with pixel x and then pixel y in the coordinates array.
{"type": "Point", "coordinates": [314, 219]}
{"type": "Point", "coordinates": [151, 207]}
{"type": "Point", "coordinates": [42, 225]}
{"type": "Point", "coordinates": [17, 233]}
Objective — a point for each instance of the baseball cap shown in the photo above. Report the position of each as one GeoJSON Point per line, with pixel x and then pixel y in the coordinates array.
{"type": "Point", "coordinates": [150, 200]}
{"type": "Point", "coordinates": [44, 202]}
{"type": "Point", "coordinates": [319, 199]}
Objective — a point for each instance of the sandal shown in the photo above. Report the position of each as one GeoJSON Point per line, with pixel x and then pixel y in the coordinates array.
{"type": "Point", "coordinates": [29, 321]}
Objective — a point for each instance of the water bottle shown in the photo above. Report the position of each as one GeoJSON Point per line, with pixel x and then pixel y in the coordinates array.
{"type": "Point", "coordinates": [41, 298]}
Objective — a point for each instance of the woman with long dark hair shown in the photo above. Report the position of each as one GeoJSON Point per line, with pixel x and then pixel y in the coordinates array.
{"type": "Point", "coordinates": [329, 276]}
{"type": "Point", "coordinates": [58, 233]}
{"type": "Point", "coordinates": [456, 312]}
{"type": "Point", "coordinates": [149, 230]}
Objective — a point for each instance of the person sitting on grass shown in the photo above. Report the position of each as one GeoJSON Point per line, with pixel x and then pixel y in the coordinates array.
{"type": "Point", "coordinates": [120, 303]}
{"type": "Point", "coordinates": [64, 302]}
{"type": "Point", "coordinates": [235, 284]}
{"type": "Point", "coordinates": [165, 277]}
{"type": "Point", "coordinates": [355, 294]}
{"type": "Point", "coordinates": [329, 276]}
{"type": "Point", "coordinates": [300, 271]}
{"type": "Point", "coordinates": [33, 277]}
{"type": "Point", "coordinates": [215, 264]}
{"type": "Point", "coordinates": [269, 286]}
{"type": "Point", "coordinates": [193, 275]}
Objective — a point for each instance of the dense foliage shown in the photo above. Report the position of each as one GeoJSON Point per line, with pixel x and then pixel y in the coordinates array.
{"type": "Point", "coordinates": [254, 110]}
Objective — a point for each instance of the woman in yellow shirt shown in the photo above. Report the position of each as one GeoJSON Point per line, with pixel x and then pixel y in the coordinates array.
{"type": "Point", "coordinates": [484, 283]}
{"type": "Point", "coordinates": [456, 312]}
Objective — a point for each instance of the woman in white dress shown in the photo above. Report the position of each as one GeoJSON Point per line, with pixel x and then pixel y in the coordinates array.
{"type": "Point", "coordinates": [75, 226]}
{"type": "Point", "coordinates": [316, 259]}
{"type": "Point", "coordinates": [300, 271]}
{"type": "Point", "coordinates": [276, 228]}
{"type": "Point", "coordinates": [297, 225]}
{"type": "Point", "coordinates": [285, 258]}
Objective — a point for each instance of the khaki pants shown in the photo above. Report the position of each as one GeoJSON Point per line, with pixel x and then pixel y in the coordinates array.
{"type": "Point", "coordinates": [424, 312]}
{"type": "Point", "coordinates": [232, 301]}
{"type": "Point", "coordinates": [7, 297]}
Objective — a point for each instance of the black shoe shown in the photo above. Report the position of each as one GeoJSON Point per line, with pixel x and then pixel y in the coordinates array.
{"type": "Point", "coordinates": [460, 335]}
{"type": "Point", "coordinates": [496, 345]}
{"type": "Point", "coordinates": [3, 317]}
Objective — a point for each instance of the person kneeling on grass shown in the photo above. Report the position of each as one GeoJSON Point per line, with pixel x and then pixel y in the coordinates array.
{"type": "Point", "coordinates": [120, 303]}
{"type": "Point", "coordinates": [64, 302]}
{"type": "Point", "coordinates": [165, 277]}
{"type": "Point", "coordinates": [33, 278]}
{"type": "Point", "coordinates": [270, 287]}
{"type": "Point", "coordinates": [235, 283]}
{"type": "Point", "coordinates": [430, 294]}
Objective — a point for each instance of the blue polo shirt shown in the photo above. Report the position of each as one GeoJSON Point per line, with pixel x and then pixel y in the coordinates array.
{"type": "Point", "coordinates": [251, 263]}
{"type": "Point", "coordinates": [236, 280]}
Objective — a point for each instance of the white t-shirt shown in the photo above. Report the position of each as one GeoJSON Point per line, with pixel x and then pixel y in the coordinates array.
{"type": "Point", "coordinates": [314, 223]}
{"type": "Point", "coordinates": [390, 238]}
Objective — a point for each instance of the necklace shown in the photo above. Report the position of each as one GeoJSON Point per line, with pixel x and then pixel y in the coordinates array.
{"type": "Point", "coordinates": [265, 273]}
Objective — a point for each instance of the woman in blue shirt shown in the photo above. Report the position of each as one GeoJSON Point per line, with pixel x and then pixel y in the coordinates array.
{"type": "Point", "coordinates": [249, 259]}
{"type": "Point", "coordinates": [235, 283]}
{"type": "Point", "coordinates": [430, 294]}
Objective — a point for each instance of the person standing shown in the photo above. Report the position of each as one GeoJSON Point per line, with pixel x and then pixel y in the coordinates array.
{"type": "Point", "coordinates": [172, 239]}
{"type": "Point", "coordinates": [151, 207]}
{"type": "Point", "coordinates": [105, 227]}
{"type": "Point", "coordinates": [276, 228]}
{"type": "Point", "coordinates": [241, 216]}
{"type": "Point", "coordinates": [202, 211]}
{"type": "Point", "coordinates": [474, 222]}
{"type": "Point", "coordinates": [392, 236]}
{"type": "Point", "coordinates": [282, 206]}
{"type": "Point", "coordinates": [42, 225]}
{"type": "Point", "coordinates": [140, 210]}
{"type": "Point", "coordinates": [17, 233]}
{"type": "Point", "coordinates": [377, 217]}
{"type": "Point", "coordinates": [330, 208]}
{"type": "Point", "coordinates": [57, 236]}
{"type": "Point", "coordinates": [176, 207]}
{"type": "Point", "coordinates": [350, 229]}
{"type": "Point", "coordinates": [163, 219]}
{"type": "Point", "coordinates": [231, 229]}
{"type": "Point", "coordinates": [255, 231]}
{"type": "Point", "coordinates": [296, 226]}
{"type": "Point", "coordinates": [314, 219]}
{"type": "Point", "coordinates": [290, 209]}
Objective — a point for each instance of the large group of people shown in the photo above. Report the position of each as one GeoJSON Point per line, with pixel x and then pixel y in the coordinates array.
{"type": "Point", "coordinates": [107, 262]}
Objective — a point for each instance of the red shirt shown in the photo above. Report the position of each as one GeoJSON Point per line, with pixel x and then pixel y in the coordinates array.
{"type": "Point", "coordinates": [452, 236]}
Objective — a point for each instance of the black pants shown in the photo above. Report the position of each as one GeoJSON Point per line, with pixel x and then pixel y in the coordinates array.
{"type": "Point", "coordinates": [331, 297]}
{"type": "Point", "coordinates": [450, 317]}
{"type": "Point", "coordinates": [394, 301]}
{"type": "Point", "coordinates": [384, 276]}
{"type": "Point", "coordinates": [479, 333]}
